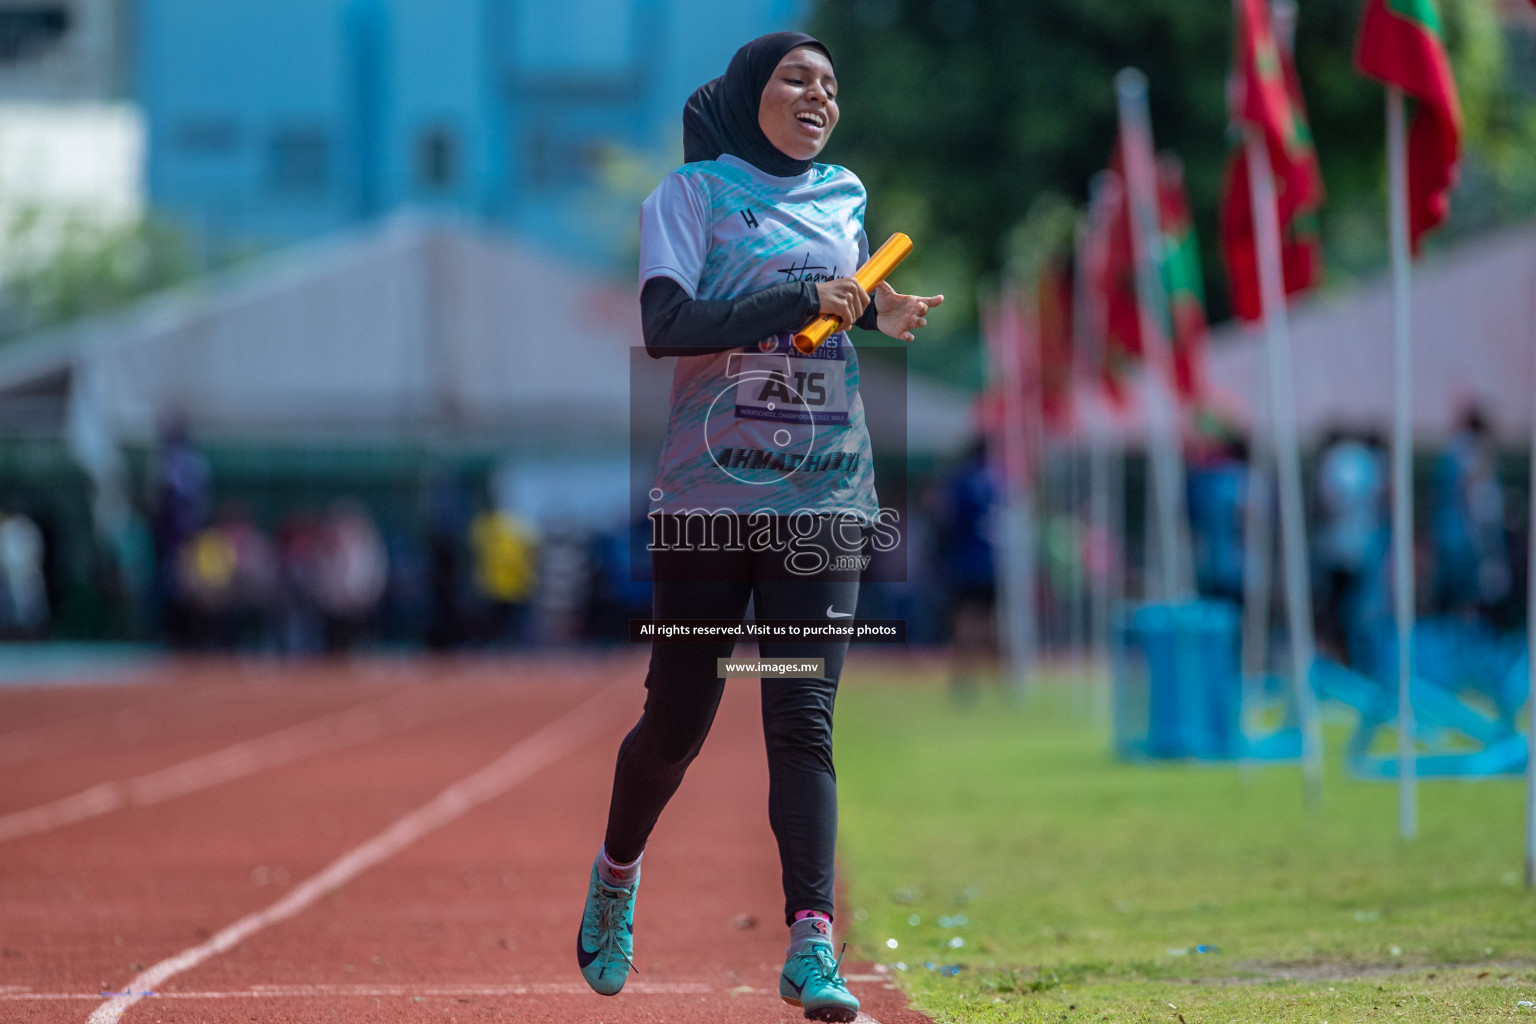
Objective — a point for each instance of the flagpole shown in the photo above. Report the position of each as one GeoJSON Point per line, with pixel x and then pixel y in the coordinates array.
{"type": "Point", "coordinates": [1102, 191]}
{"type": "Point", "coordinates": [1077, 604]}
{"type": "Point", "coordinates": [997, 454]}
{"type": "Point", "coordinates": [1530, 701]}
{"type": "Point", "coordinates": [1102, 594]}
{"type": "Point", "coordinates": [1152, 306]}
{"type": "Point", "coordinates": [1027, 524]}
{"type": "Point", "coordinates": [1092, 355]}
{"type": "Point", "coordinates": [1402, 456]}
{"type": "Point", "coordinates": [1530, 660]}
{"type": "Point", "coordinates": [1043, 493]}
{"type": "Point", "coordinates": [1282, 400]}
{"type": "Point", "coordinates": [1258, 521]}
{"type": "Point", "coordinates": [1085, 355]}
{"type": "Point", "coordinates": [1258, 552]}
{"type": "Point", "coordinates": [1016, 609]}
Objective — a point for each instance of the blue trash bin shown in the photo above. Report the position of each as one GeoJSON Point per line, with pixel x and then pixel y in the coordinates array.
{"type": "Point", "coordinates": [1178, 688]}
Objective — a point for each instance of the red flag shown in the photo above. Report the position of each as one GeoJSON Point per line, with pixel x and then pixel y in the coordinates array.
{"type": "Point", "coordinates": [1112, 283]}
{"type": "Point", "coordinates": [1054, 294]}
{"type": "Point", "coordinates": [1005, 331]}
{"type": "Point", "coordinates": [1402, 44]}
{"type": "Point", "coordinates": [1301, 249]}
{"type": "Point", "coordinates": [1262, 64]}
{"type": "Point", "coordinates": [1102, 280]}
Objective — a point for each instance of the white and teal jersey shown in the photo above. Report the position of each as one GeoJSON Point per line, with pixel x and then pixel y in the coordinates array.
{"type": "Point", "coordinates": [760, 428]}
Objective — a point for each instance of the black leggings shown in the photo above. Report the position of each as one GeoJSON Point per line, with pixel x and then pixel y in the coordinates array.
{"type": "Point", "coordinates": [683, 693]}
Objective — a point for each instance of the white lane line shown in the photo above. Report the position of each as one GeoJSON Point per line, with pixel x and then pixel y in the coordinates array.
{"type": "Point", "coordinates": [565, 735]}
{"type": "Point", "coordinates": [355, 725]}
{"type": "Point", "coordinates": [26, 744]}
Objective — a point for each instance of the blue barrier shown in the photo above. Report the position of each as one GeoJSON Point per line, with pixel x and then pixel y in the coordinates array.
{"type": "Point", "coordinates": [1468, 686]}
{"type": "Point", "coordinates": [1179, 694]}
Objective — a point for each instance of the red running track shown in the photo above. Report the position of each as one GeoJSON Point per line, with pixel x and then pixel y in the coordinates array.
{"type": "Point", "coordinates": [431, 869]}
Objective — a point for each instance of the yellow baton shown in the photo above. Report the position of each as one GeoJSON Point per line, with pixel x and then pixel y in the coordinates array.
{"type": "Point", "coordinates": [875, 270]}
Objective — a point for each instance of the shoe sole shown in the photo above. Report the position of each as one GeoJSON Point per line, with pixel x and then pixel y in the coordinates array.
{"type": "Point", "coordinates": [834, 1014]}
{"type": "Point", "coordinates": [601, 992]}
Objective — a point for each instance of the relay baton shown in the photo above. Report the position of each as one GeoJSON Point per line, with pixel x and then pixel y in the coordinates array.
{"type": "Point", "coordinates": [877, 269]}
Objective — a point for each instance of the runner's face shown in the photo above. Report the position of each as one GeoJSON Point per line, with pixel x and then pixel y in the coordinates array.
{"type": "Point", "coordinates": [799, 106]}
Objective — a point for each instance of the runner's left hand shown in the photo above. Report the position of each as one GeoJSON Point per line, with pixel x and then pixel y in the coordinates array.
{"type": "Point", "coordinates": [898, 315]}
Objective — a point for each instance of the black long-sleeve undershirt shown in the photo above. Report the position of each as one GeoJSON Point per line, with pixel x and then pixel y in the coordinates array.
{"type": "Point", "coordinates": [676, 325]}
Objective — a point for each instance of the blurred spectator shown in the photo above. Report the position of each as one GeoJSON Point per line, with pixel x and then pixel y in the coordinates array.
{"type": "Point", "coordinates": [300, 627]}
{"type": "Point", "coordinates": [1217, 489]}
{"type": "Point", "coordinates": [351, 570]}
{"type": "Point", "coordinates": [1352, 540]}
{"type": "Point", "coordinates": [128, 573]}
{"type": "Point", "coordinates": [255, 597]}
{"type": "Point", "coordinates": [1472, 572]}
{"type": "Point", "coordinates": [504, 555]}
{"type": "Point", "coordinates": [1062, 535]}
{"type": "Point", "coordinates": [965, 512]}
{"type": "Point", "coordinates": [204, 583]}
{"type": "Point", "coordinates": [24, 610]}
{"type": "Point", "coordinates": [446, 517]}
{"type": "Point", "coordinates": [1103, 557]}
{"type": "Point", "coordinates": [614, 596]}
{"type": "Point", "coordinates": [180, 485]}
{"type": "Point", "coordinates": [407, 610]}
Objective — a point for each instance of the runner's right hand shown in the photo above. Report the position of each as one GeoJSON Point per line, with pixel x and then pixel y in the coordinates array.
{"type": "Point", "coordinates": [842, 298]}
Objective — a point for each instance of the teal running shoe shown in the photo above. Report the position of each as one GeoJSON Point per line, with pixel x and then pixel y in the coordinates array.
{"type": "Point", "coordinates": [811, 982]}
{"type": "Point", "coordinates": [606, 942]}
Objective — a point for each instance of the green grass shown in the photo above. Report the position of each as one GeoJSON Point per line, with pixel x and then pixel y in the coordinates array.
{"type": "Point", "coordinates": [1084, 885]}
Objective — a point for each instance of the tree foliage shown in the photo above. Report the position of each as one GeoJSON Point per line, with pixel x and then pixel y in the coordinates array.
{"type": "Point", "coordinates": [60, 268]}
{"type": "Point", "coordinates": [960, 114]}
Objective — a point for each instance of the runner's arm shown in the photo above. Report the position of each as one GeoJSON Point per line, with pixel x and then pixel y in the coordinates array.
{"type": "Point", "coordinates": [676, 325]}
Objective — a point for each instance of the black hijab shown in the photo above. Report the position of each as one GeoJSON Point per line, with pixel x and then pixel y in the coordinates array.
{"type": "Point", "coordinates": [721, 115]}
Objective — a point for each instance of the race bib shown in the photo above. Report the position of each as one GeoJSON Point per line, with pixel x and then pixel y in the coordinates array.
{"type": "Point", "coordinates": [778, 383]}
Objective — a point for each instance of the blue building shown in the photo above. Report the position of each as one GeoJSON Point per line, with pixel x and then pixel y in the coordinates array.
{"type": "Point", "coordinates": [270, 121]}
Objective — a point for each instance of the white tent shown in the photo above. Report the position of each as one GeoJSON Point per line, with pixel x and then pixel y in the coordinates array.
{"type": "Point", "coordinates": [1474, 312]}
{"type": "Point", "coordinates": [411, 331]}
{"type": "Point", "coordinates": [417, 330]}
{"type": "Point", "coordinates": [1474, 308]}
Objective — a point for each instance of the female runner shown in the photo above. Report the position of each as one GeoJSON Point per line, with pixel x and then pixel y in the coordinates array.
{"type": "Point", "coordinates": [765, 477]}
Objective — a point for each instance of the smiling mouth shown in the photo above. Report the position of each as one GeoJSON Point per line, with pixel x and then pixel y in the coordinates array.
{"type": "Point", "coordinates": [812, 118]}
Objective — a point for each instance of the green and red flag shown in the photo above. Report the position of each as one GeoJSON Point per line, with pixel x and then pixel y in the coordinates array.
{"type": "Point", "coordinates": [1182, 279]}
{"type": "Point", "coordinates": [1112, 283]}
{"type": "Point", "coordinates": [1402, 43]}
{"type": "Point", "coordinates": [1267, 95]}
